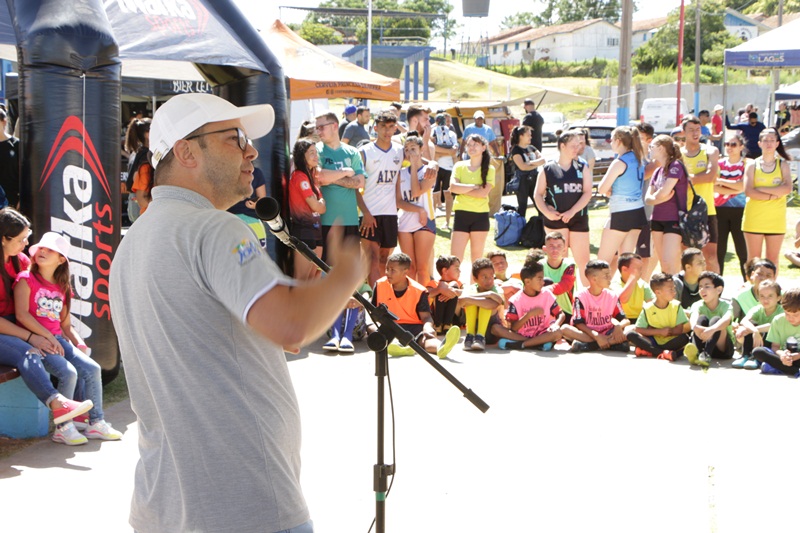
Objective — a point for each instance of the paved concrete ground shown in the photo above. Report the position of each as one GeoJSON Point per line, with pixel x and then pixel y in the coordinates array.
{"type": "Point", "coordinates": [571, 443]}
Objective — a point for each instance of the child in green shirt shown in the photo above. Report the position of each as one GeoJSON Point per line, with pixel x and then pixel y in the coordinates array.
{"type": "Point", "coordinates": [782, 354]}
{"type": "Point", "coordinates": [712, 335]}
{"type": "Point", "coordinates": [756, 323]}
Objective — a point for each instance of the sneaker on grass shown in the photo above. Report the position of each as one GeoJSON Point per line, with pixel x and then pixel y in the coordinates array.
{"type": "Point", "coordinates": [67, 434]}
{"type": "Point", "coordinates": [102, 430]}
{"type": "Point", "coordinates": [71, 409]}
{"type": "Point", "coordinates": [451, 338]}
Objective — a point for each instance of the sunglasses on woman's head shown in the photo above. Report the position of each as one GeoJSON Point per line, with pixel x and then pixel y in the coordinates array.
{"type": "Point", "coordinates": [732, 144]}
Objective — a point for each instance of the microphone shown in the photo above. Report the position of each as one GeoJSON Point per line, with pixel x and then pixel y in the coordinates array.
{"type": "Point", "coordinates": [268, 210]}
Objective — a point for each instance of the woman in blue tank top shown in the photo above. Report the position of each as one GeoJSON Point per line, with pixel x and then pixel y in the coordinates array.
{"type": "Point", "coordinates": [623, 185]}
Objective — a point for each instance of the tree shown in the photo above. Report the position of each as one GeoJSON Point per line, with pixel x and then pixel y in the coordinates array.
{"type": "Point", "coordinates": [575, 10]}
{"type": "Point", "coordinates": [662, 49]}
{"type": "Point", "coordinates": [770, 7]}
{"type": "Point", "coordinates": [520, 19]}
{"type": "Point", "coordinates": [318, 33]}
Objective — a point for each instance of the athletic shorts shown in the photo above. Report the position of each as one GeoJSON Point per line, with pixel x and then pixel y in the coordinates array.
{"type": "Point", "coordinates": [643, 245]}
{"type": "Point", "coordinates": [628, 220]}
{"type": "Point", "coordinates": [442, 179]}
{"type": "Point", "coordinates": [490, 337]}
{"type": "Point", "coordinates": [310, 235]}
{"type": "Point", "coordinates": [578, 223]}
{"type": "Point", "coordinates": [713, 229]}
{"type": "Point", "coordinates": [468, 221]}
{"type": "Point", "coordinates": [669, 226]}
{"type": "Point", "coordinates": [385, 233]}
{"type": "Point", "coordinates": [430, 226]}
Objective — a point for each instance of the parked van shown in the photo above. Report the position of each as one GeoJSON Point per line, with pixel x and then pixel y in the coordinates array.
{"type": "Point", "coordinates": [660, 113]}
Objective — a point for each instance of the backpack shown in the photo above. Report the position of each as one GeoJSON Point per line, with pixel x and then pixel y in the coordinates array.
{"type": "Point", "coordinates": [533, 233]}
{"type": "Point", "coordinates": [509, 226]}
{"type": "Point", "coordinates": [694, 222]}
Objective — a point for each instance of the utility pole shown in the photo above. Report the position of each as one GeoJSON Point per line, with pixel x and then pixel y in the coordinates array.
{"type": "Point", "coordinates": [776, 73]}
{"type": "Point", "coordinates": [624, 82]}
{"type": "Point", "coordinates": [697, 56]}
{"type": "Point", "coordinates": [680, 65]}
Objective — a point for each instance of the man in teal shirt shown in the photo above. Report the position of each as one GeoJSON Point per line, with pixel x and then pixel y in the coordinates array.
{"type": "Point", "coordinates": [342, 175]}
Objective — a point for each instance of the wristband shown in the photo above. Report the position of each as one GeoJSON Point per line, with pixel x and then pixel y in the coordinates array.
{"type": "Point", "coordinates": [29, 337]}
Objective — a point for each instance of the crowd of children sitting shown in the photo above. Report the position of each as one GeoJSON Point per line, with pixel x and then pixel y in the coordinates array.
{"type": "Point", "coordinates": [539, 307]}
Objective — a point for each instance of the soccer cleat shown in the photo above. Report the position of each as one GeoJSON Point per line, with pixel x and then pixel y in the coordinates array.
{"type": "Point", "coordinates": [623, 347]}
{"type": "Point", "coordinates": [691, 351]}
{"type": "Point", "coordinates": [345, 346]}
{"type": "Point", "coordinates": [508, 344]}
{"type": "Point", "coordinates": [451, 338]}
{"type": "Point", "coordinates": [102, 430]}
{"type": "Point", "coordinates": [468, 340]}
{"type": "Point", "coordinates": [331, 346]}
{"type": "Point", "coordinates": [641, 352]}
{"type": "Point", "coordinates": [578, 347]}
{"type": "Point", "coordinates": [546, 347]}
{"type": "Point", "coordinates": [667, 355]}
{"type": "Point", "coordinates": [396, 350]}
{"type": "Point", "coordinates": [67, 434]}
{"type": "Point", "coordinates": [70, 409]}
{"type": "Point", "coordinates": [704, 359]}
{"type": "Point", "coordinates": [739, 363]}
{"type": "Point", "coordinates": [479, 344]}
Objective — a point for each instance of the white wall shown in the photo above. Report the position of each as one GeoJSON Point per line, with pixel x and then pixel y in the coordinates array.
{"type": "Point", "coordinates": [585, 43]}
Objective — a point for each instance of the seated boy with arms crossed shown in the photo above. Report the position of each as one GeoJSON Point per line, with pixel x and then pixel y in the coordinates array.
{"type": "Point", "coordinates": [662, 327]}
{"type": "Point", "coordinates": [481, 304]}
{"type": "Point", "coordinates": [533, 314]}
{"type": "Point", "coordinates": [782, 354]}
{"type": "Point", "coordinates": [598, 321]}
{"type": "Point", "coordinates": [712, 335]}
{"type": "Point", "coordinates": [509, 283]}
{"type": "Point", "coordinates": [686, 282]}
{"type": "Point", "coordinates": [559, 269]}
{"type": "Point", "coordinates": [408, 301]}
{"type": "Point", "coordinates": [445, 292]}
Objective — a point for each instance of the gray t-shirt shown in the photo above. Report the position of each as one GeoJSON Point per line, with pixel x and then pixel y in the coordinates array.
{"type": "Point", "coordinates": [219, 424]}
{"type": "Point", "coordinates": [355, 133]}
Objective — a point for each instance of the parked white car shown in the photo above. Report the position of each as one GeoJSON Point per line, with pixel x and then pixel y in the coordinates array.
{"type": "Point", "coordinates": [553, 122]}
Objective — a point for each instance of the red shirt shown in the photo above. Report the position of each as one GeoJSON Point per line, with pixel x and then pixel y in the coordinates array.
{"type": "Point", "coordinates": [300, 189]}
{"type": "Point", "coordinates": [716, 123]}
{"type": "Point", "coordinates": [7, 300]}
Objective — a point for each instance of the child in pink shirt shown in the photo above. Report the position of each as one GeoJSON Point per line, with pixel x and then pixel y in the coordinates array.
{"type": "Point", "coordinates": [598, 320]}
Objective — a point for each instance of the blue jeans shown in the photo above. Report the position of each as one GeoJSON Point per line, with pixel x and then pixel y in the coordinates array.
{"type": "Point", "coordinates": [13, 352]}
{"type": "Point", "coordinates": [75, 364]}
{"type": "Point", "coordinates": [308, 527]}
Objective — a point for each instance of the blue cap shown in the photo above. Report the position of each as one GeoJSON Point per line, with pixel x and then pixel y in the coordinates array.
{"type": "Point", "coordinates": [350, 109]}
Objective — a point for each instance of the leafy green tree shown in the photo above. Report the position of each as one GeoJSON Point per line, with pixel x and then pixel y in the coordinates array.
{"type": "Point", "coordinates": [662, 49]}
{"type": "Point", "coordinates": [770, 7]}
{"type": "Point", "coordinates": [575, 10]}
{"type": "Point", "coordinates": [520, 19]}
{"type": "Point", "coordinates": [318, 33]}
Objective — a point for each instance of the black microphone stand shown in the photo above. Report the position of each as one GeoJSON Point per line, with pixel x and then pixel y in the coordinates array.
{"type": "Point", "coordinates": [388, 329]}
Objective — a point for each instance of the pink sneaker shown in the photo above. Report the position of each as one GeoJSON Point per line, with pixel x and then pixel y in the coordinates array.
{"type": "Point", "coordinates": [71, 409]}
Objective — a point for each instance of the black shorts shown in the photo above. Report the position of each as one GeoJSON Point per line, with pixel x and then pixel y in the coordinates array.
{"type": "Point", "coordinates": [442, 179]}
{"type": "Point", "coordinates": [349, 231]}
{"type": "Point", "coordinates": [578, 223]}
{"type": "Point", "coordinates": [468, 221]}
{"type": "Point", "coordinates": [670, 226]}
{"type": "Point", "coordinates": [628, 220]}
{"type": "Point", "coordinates": [385, 233]}
{"type": "Point", "coordinates": [643, 245]}
{"type": "Point", "coordinates": [491, 338]}
{"type": "Point", "coordinates": [310, 235]}
{"type": "Point", "coordinates": [713, 229]}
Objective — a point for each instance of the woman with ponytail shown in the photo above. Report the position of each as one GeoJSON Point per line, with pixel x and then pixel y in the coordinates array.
{"type": "Point", "coordinates": [623, 185]}
{"type": "Point", "coordinates": [472, 180]}
{"type": "Point", "coordinates": [667, 192]}
{"type": "Point", "coordinates": [140, 170]}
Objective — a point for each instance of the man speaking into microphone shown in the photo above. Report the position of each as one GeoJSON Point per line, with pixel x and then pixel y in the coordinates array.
{"type": "Point", "coordinates": [203, 316]}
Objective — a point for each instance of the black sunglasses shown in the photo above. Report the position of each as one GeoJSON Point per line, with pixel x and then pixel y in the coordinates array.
{"type": "Point", "coordinates": [242, 139]}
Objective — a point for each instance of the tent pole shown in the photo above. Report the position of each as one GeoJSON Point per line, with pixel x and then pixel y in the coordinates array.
{"type": "Point", "coordinates": [724, 102]}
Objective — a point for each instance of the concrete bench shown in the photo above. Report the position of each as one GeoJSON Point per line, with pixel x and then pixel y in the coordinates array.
{"type": "Point", "coordinates": [22, 415]}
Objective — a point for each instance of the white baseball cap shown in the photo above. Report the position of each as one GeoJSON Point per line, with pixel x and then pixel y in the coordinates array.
{"type": "Point", "coordinates": [718, 107]}
{"type": "Point", "coordinates": [52, 241]}
{"type": "Point", "coordinates": [184, 113]}
{"type": "Point", "coordinates": [476, 116]}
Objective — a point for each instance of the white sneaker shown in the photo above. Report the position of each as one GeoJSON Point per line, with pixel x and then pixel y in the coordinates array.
{"type": "Point", "coordinates": [67, 434]}
{"type": "Point", "coordinates": [102, 430]}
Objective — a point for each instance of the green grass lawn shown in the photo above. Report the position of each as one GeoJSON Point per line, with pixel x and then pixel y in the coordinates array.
{"type": "Point", "coordinates": [789, 274]}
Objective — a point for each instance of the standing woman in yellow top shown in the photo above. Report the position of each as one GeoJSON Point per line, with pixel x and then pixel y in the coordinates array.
{"type": "Point", "coordinates": [471, 181]}
{"type": "Point", "coordinates": [767, 181]}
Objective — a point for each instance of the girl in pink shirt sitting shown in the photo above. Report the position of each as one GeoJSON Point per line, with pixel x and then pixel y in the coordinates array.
{"type": "Point", "coordinates": [41, 300]}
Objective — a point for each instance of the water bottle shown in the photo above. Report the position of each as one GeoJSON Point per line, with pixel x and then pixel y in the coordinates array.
{"type": "Point", "coordinates": [791, 345]}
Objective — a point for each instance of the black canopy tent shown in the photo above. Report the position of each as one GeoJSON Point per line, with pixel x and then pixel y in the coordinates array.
{"type": "Point", "coordinates": [71, 56]}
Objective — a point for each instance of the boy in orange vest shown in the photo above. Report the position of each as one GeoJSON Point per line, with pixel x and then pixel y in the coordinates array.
{"type": "Point", "coordinates": [408, 301]}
